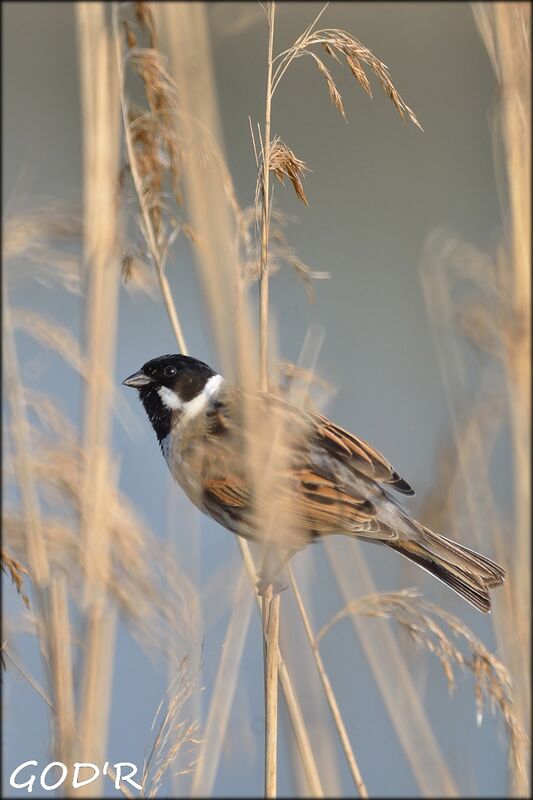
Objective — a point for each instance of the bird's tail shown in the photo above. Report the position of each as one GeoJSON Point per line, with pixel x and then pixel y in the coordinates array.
{"type": "Point", "coordinates": [465, 571]}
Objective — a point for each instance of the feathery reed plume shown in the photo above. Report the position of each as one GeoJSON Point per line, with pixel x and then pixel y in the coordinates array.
{"type": "Point", "coordinates": [425, 624]}
{"type": "Point", "coordinates": [341, 45]}
{"type": "Point", "coordinates": [13, 568]}
{"type": "Point", "coordinates": [284, 163]}
{"type": "Point", "coordinates": [43, 238]}
{"type": "Point", "coordinates": [175, 738]}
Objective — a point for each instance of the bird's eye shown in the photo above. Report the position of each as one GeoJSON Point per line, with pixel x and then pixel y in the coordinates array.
{"type": "Point", "coordinates": [169, 372]}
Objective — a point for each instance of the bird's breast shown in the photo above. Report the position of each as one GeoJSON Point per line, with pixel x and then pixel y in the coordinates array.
{"type": "Point", "coordinates": [179, 460]}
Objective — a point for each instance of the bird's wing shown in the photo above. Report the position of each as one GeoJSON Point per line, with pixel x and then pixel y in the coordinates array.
{"type": "Point", "coordinates": [321, 498]}
{"type": "Point", "coordinates": [315, 504]}
{"type": "Point", "coordinates": [323, 504]}
{"type": "Point", "coordinates": [357, 454]}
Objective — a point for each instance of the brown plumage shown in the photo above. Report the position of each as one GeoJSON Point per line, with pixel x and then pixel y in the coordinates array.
{"type": "Point", "coordinates": [328, 480]}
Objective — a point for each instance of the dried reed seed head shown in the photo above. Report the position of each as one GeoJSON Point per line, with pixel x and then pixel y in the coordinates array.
{"type": "Point", "coordinates": [284, 163]}
{"type": "Point", "coordinates": [358, 72]}
{"type": "Point", "coordinates": [137, 275]}
{"type": "Point", "coordinates": [422, 621]}
{"type": "Point", "coordinates": [330, 52]}
{"type": "Point", "coordinates": [151, 65]}
{"type": "Point", "coordinates": [337, 42]}
{"type": "Point", "coordinates": [145, 17]}
{"type": "Point", "coordinates": [13, 568]}
{"type": "Point", "coordinates": [131, 38]}
{"type": "Point", "coordinates": [155, 134]}
{"type": "Point", "coordinates": [334, 94]}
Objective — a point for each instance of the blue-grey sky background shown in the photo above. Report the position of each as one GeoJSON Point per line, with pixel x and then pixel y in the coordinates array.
{"type": "Point", "coordinates": [377, 189]}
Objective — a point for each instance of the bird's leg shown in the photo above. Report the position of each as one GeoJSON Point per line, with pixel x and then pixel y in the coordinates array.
{"type": "Point", "coordinates": [273, 561]}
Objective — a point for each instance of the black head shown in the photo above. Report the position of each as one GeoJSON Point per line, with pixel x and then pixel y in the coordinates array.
{"type": "Point", "coordinates": [167, 385]}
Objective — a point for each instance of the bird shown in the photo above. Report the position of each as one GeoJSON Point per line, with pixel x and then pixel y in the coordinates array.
{"type": "Point", "coordinates": [330, 481]}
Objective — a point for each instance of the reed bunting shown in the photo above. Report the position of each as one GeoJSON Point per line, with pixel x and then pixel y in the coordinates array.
{"type": "Point", "coordinates": [331, 481]}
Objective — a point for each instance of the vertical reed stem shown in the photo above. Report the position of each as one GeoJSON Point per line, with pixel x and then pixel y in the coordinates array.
{"type": "Point", "coordinates": [328, 691]}
{"type": "Point", "coordinates": [270, 608]}
{"type": "Point", "coordinates": [265, 215]}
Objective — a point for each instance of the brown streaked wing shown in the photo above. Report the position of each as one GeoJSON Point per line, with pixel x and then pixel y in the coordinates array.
{"type": "Point", "coordinates": [322, 505]}
{"type": "Point", "coordinates": [316, 504]}
{"type": "Point", "coordinates": [359, 454]}
{"type": "Point", "coordinates": [234, 492]}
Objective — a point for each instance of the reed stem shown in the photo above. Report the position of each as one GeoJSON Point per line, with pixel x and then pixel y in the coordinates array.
{"type": "Point", "coordinates": [270, 607]}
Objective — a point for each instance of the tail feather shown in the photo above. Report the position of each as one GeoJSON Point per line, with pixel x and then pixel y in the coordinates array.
{"type": "Point", "coordinates": [468, 573]}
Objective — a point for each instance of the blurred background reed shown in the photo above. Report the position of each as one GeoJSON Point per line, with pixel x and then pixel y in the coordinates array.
{"type": "Point", "coordinates": [136, 603]}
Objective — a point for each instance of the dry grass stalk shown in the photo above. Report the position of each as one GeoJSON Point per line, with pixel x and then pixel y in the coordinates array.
{"type": "Point", "coordinates": [298, 724]}
{"type": "Point", "coordinates": [330, 695]}
{"type": "Point", "coordinates": [100, 121]}
{"type": "Point", "coordinates": [271, 603]}
{"type": "Point", "coordinates": [223, 690]}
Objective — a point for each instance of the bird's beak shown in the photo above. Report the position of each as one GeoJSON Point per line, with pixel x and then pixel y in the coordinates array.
{"type": "Point", "coordinates": [137, 380]}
